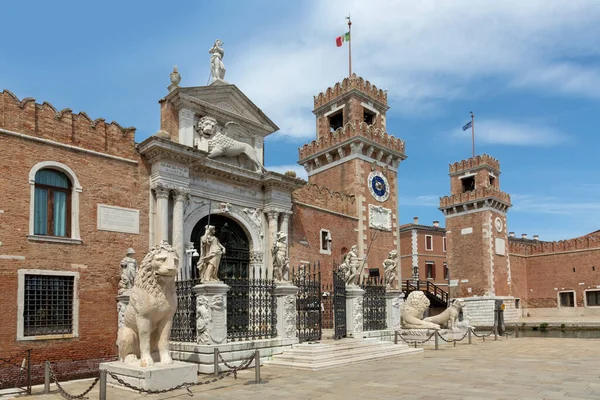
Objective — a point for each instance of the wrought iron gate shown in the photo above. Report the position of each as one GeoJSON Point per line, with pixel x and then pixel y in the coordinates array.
{"type": "Point", "coordinates": [339, 306]}
{"type": "Point", "coordinates": [184, 320]}
{"type": "Point", "coordinates": [374, 306]}
{"type": "Point", "coordinates": [308, 302]}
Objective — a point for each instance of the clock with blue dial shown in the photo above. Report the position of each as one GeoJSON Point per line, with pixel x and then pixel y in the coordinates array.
{"type": "Point", "coordinates": [378, 186]}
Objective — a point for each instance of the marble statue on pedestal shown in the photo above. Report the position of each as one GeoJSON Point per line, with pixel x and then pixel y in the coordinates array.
{"type": "Point", "coordinates": [411, 312]}
{"type": "Point", "coordinates": [351, 267]}
{"type": "Point", "coordinates": [281, 262]}
{"type": "Point", "coordinates": [449, 317]}
{"type": "Point", "coordinates": [390, 266]}
{"type": "Point", "coordinates": [221, 142]}
{"type": "Point", "coordinates": [217, 69]}
{"type": "Point", "coordinates": [211, 251]}
{"type": "Point", "coordinates": [128, 271]}
{"type": "Point", "coordinates": [144, 338]}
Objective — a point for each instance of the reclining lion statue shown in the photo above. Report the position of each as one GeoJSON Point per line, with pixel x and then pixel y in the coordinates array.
{"type": "Point", "coordinates": [411, 312]}
{"type": "Point", "coordinates": [449, 317]}
{"type": "Point", "coordinates": [144, 337]}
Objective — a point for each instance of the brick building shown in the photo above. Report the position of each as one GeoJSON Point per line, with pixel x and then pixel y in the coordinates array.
{"type": "Point", "coordinates": [74, 199]}
{"type": "Point", "coordinates": [352, 194]}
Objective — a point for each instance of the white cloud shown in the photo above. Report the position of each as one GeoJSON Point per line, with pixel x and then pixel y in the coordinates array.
{"type": "Point", "coordinates": [554, 205]}
{"type": "Point", "coordinates": [513, 133]}
{"type": "Point", "coordinates": [428, 200]}
{"type": "Point", "coordinates": [282, 169]}
{"type": "Point", "coordinates": [423, 52]}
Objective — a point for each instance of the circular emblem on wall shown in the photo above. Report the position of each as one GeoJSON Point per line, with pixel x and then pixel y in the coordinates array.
{"type": "Point", "coordinates": [378, 186]}
{"type": "Point", "coordinates": [499, 224]}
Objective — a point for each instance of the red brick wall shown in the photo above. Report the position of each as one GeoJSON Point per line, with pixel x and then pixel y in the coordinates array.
{"type": "Point", "coordinates": [169, 120]}
{"type": "Point", "coordinates": [97, 260]}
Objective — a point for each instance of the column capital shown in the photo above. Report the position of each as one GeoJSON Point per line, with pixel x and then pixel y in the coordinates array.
{"type": "Point", "coordinates": [162, 192]}
{"type": "Point", "coordinates": [272, 214]}
{"type": "Point", "coordinates": [181, 193]}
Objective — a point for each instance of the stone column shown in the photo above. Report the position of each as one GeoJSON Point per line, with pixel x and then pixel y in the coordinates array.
{"type": "Point", "coordinates": [122, 303]}
{"type": "Point", "coordinates": [272, 217]}
{"type": "Point", "coordinates": [354, 310]}
{"type": "Point", "coordinates": [285, 223]}
{"type": "Point", "coordinates": [393, 299]}
{"type": "Point", "coordinates": [287, 315]}
{"type": "Point", "coordinates": [162, 214]}
{"type": "Point", "coordinates": [186, 127]}
{"type": "Point", "coordinates": [211, 312]}
{"type": "Point", "coordinates": [178, 209]}
{"type": "Point", "coordinates": [256, 264]}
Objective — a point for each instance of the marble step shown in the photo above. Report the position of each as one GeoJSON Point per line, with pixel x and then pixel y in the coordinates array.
{"type": "Point", "coordinates": [316, 356]}
{"type": "Point", "coordinates": [343, 358]}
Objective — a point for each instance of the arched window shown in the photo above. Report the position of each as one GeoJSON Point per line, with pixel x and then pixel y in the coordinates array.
{"type": "Point", "coordinates": [52, 203]}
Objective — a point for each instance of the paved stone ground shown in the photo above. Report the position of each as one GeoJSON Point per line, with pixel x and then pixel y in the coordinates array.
{"type": "Point", "coordinates": [524, 369]}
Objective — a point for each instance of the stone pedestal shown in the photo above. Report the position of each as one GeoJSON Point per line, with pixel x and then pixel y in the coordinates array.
{"type": "Point", "coordinates": [122, 303]}
{"type": "Point", "coordinates": [211, 312]}
{"type": "Point", "coordinates": [354, 310]}
{"type": "Point", "coordinates": [393, 299]}
{"type": "Point", "coordinates": [287, 314]}
{"type": "Point", "coordinates": [156, 377]}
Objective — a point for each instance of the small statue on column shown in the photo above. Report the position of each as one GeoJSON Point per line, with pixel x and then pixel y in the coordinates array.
{"type": "Point", "coordinates": [281, 262]}
{"type": "Point", "coordinates": [217, 69]}
{"type": "Point", "coordinates": [350, 267]}
{"type": "Point", "coordinates": [128, 271]}
{"type": "Point", "coordinates": [211, 251]}
{"type": "Point", "coordinates": [389, 267]}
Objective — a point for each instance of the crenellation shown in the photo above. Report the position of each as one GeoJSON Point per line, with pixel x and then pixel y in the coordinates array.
{"type": "Point", "coordinates": [587, 242]}
{"type": "Point", "coordinates": [44, 121]}
{"type": "Point", "coordinates": [448, 201]}
{"type": "Point", "coordinates": [473, 162]}
{"type": "Point", "coordinates": [348, 84]}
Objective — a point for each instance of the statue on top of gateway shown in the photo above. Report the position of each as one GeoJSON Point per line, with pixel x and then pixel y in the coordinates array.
{"type": "Point", "coordinates": [217, 69]}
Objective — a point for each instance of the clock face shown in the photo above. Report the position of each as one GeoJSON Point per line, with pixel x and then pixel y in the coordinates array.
{"type": "Point", "coordinates": [499, 224]}
{"type": "Point", "coordinates": [378, 186]}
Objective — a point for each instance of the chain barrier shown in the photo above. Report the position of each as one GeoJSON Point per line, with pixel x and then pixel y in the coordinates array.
{"type": "Point", "coordinates": [414, 342]}
{"type": "Point", "coordinates": [233, 368]}
{"type": "Point", "coordinates": [185, 385]}
{"type": "Point", "coordinates": [453, 340]}
{"type": "Point", "coordinates": [66, 395]}
{"type": "Point", "coordinates": [482, 336]}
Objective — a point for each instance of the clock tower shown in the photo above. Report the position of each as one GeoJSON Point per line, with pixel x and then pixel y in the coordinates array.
{"type": "Point", "coordinates": [476, 234]}
{"type": "Point", "coordinates": [354, 155]}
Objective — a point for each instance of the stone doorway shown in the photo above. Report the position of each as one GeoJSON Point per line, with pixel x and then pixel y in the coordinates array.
{"type": "Point", "coordinates": [236, 260]}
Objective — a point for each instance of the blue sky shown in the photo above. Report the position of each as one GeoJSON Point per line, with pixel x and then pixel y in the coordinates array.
{"type": "Point", "coordinates": [529, 70]}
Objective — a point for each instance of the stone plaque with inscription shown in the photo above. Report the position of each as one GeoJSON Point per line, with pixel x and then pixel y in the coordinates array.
{"type": "Point", "coordinates": [118, 219]}
{"type": "Point", "coordinates": [380, 217]}
{"type": "Point", "coordinates": [500, 246]}
{"type": "Point", "coordinates": [174, 170]}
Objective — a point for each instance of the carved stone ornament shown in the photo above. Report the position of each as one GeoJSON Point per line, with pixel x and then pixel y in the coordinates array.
{"type": "Point", "coordinates": [256, 257]}
{"type": "Point", "coordinates": [255, 215]}
{"type": "Point", "coordinates": [128, 271]}
{"type": "Point", "coordinates": [350, 268]}
{"type": "Point", "coordinates": [290, 316]}
{"type": "Point", "coordinates": [211, 251]}
{"type": "Point", "coordinates": [396, 303]}
{"type": "Point", "coordinates": [390, 267]}
{"type": "Point", "coordinates": [208, 328]}
{"type": "Point", "coordinates": [358, 314]}
{"type": "Point", "coordinates": [449, 317]}
{"type": "Point", "coordinates": [217, 69]}
{"type": "Point", "coordinates": [281, 263]}
{"type": "Point", "coordinates": [380, 218]}
{"type": "Point", "coordinates": [152, 304]}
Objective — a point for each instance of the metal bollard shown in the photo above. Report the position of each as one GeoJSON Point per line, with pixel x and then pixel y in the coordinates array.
{"type": "Point", "coordinates": [437, 340]}
{"type": "Point", "coordinates": [46, 377]}
{"type": "Point", "coordinates": [516, 331]}
{"type": "Point", "coordinates": [469, 335]}
{"type": "Point", "coordinates": [102, 384]}
{"type": "Point", "coordinates": [216, 361]}
{"type": "Point", "coordinates": [395, 337]}
{"type": "Point", "coordinates": [257, 366]}
{"type": "Point", "coordinates": [495, 333]}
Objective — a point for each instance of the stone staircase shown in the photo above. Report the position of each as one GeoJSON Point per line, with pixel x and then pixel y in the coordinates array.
{"type": "Point", "coordinates": [330, 353]}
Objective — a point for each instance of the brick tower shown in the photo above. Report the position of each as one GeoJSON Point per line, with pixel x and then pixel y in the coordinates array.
{"type": "Point", "coordinates": [477, 239]}
{"type": "Point", "coordinates": [353, 154]}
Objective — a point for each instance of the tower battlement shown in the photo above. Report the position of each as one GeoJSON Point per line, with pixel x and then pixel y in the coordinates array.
{"type": "Point", "coordinates": [474, 162]}
{"type": "Point", "coordinates": [347, 84]}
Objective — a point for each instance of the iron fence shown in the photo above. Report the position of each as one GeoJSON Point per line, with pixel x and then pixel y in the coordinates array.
{"type": "Point", "coordinates": [184, 320]}
{"type": "Point", "coordinates": [308, 302]}
{"type": "Point", "coordinates": [251, 306]}
{"type": "Point", "coordinates": [374, 307]}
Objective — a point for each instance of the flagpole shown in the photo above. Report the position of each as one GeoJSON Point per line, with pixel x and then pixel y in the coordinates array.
{"type": "Point", "coordinates": [349, 47]}
{"type": "Point", "coordinates": [473, 132]}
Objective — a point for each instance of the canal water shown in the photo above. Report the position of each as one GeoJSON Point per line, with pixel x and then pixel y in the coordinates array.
{"type": "Point", "coordinates": [583, 334]}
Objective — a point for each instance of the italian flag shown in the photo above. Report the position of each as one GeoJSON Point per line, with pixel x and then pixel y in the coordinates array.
{"type": "Point", "coordinates": [341, 39]}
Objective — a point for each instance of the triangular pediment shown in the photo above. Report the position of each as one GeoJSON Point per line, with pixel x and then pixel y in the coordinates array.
{"type": "Point", "coordinates": [226, 98]}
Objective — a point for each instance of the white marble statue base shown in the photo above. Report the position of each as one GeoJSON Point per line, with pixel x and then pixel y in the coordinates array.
{"type": "Point", "coordinates": [157, 377]}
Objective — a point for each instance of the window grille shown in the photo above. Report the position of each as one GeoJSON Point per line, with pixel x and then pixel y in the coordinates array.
{"type": "Point", "coordinates": [592, 298]}
{"type": "Point", "coordinates": [48, 308]}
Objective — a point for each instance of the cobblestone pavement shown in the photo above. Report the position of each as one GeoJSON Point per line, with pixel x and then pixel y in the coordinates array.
{"type": "Point", "coordinates": [525, 368]}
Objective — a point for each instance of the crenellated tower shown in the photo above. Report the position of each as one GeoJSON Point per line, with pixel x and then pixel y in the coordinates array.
{"type": "Point", "coordinates": [354, 154]}
{"type": "Point", "coordinates": [476, 232]}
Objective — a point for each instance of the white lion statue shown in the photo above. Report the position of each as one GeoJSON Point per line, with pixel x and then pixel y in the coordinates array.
{"type": "Point", "coordinates": [411, 312]}
{"type": "Point", "coordinates": [221, 144]}
{"type": "Point", "coordinates": [449, 317]}
{"type": "Point", "coordinates": [144, 337]}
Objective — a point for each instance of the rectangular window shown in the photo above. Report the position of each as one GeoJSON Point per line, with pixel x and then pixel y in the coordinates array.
{"type": "Point", "coordinates": [517, 303]}
{"type": "Point", "coordinates": [566, 299]}
{"type": "Point", "coordinates": [446, 272]}
{"type": "Point", "coordinates": [325, 242]}
{"type": "Point", "coordinates": [48, 306]}
{"type": "Point", "coordinates": [428, 242]}
{"type": "Point", "coordinates": [444, 243]}
{"type": "Point", "coordinates": [592, 298]}
{"type": "Point", "coordinates": [430, 270]}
